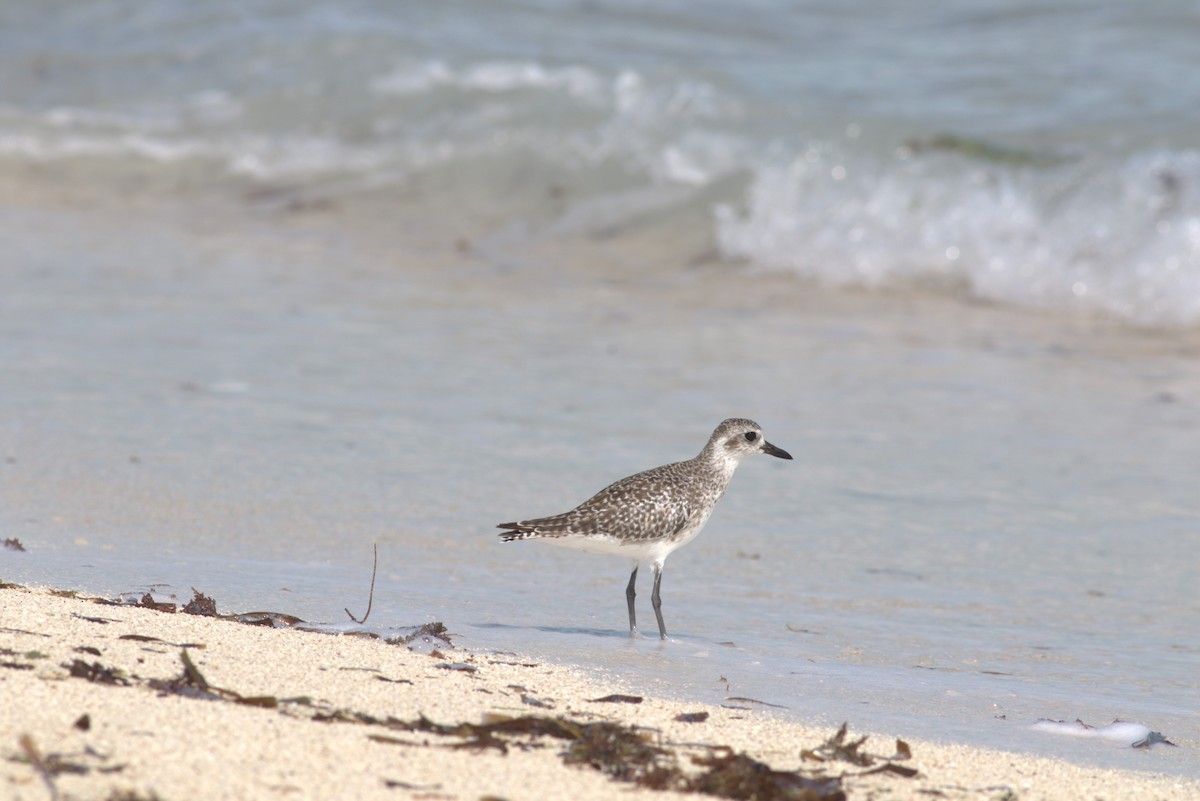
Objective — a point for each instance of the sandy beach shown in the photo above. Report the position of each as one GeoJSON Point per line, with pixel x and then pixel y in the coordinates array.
{"type": "Point", "coordinates": [100, 703]}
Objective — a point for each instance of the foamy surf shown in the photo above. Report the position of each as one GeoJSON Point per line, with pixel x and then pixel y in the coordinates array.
{"type": "Point", "coordinates": [1071, 235]}
{"type": "Point", "coordinates": [1119, 732]}
{"type": "Point", "coordinates": [894, 153]}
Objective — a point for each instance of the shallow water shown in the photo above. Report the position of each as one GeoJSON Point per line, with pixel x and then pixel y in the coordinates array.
{"type": "Point", "coordinates": [279, 286]}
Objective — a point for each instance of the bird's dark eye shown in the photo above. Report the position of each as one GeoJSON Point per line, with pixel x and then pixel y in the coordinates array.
{"type": "Point", "coordinates": [751, 436]}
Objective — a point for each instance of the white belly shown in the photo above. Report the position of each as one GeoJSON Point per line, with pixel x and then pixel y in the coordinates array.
{"type": "Point", "coordinates": [652, 551]}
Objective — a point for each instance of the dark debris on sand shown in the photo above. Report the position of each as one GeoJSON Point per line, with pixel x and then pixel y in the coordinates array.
{"type": "Point", "coordinates": [97, 673]}
{"type": "Point", "coordinates": [200, 604]}
{"type": "Point", "coordinates": [839, 748]}
{"type": "Point", "coordinates": [632, 754]}
{"type": "Point", "coordinates": [427, 633]}
{"type": "Point", "coordinates": [205, 605]}
{"type": "Point", "coordinates": [148, 601]}
{"type": "Point", "coordinates": [192, 684]}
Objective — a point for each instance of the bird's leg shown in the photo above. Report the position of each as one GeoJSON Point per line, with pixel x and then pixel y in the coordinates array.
{"type": "Point", "coordinates": [656, 600]}
{"type": "Point", "coordinates": [630, 594]}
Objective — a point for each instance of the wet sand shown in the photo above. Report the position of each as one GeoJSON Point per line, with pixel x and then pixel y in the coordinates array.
{"type": "Point", "coordinates": [100, 696]}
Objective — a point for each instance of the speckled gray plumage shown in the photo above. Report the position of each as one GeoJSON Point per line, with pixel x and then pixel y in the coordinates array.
{"type": "Point", "coordinates": [652, 505]}
{"type": "Point", "coordinates": [647, 515]}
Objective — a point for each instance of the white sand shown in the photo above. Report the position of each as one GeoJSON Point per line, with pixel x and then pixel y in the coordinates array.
{"type": "Point", "coordinates": [175, 747]}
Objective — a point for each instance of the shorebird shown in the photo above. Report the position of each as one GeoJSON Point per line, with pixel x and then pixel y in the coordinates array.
{"type": "Point", "coordinates": [648, 515]}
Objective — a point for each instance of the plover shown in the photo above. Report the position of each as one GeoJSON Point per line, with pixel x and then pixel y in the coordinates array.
{"type": "Point", "coordinates": [648, 515]}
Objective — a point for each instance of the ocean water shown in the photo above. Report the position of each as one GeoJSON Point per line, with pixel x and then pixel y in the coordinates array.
{"type": "Point", "coordinates": [1037, 154]}
{"type": "Point", "coordinates": [286, 280]}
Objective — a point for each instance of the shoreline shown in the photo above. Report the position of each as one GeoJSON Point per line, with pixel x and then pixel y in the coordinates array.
{"type": "Point", "coordinates": [103, 697]}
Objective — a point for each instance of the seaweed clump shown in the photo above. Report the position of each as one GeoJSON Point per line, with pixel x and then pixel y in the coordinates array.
{"type": "Point", "coordinates": [200, 604]}
{"type": "Point", "coordinates": [147, 600]}
{"type": "Point", "coordinates": [838, 748]}
{"type": "Point", "coordinates": [628, 754]}
{"type": "Point", "coordinates": [192, 684]}
{"type": "Point", "coordinates": [97, 673]}
{"type": "Point", "coordinates": [622, 753]}
{"type": "Point", "coordinates": [426, 634]}
{"type": "Point", "coordinates": [731, 775]}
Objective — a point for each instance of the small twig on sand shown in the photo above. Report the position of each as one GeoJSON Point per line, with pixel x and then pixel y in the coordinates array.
{"type": "Point", "coordinates": [38, 763]}
{"type": "Point", "coordinates": [371, 597]}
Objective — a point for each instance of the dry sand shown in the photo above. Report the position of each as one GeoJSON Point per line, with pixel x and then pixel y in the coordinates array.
{"type": "Point", "coordinates": [137, 739]}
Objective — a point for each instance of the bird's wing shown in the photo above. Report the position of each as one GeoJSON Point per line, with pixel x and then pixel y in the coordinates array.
{"type": "Point", "coordinates": [647, 506]}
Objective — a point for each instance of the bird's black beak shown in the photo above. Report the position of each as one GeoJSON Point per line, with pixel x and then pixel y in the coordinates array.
{"type": "Point", "coordinates": [778, 452]}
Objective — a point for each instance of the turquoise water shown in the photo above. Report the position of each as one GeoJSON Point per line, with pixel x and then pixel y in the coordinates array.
{"type": "Point", "coordinates": [283, 283]}
{"type": "Point", "coordinates": [1040, 155]}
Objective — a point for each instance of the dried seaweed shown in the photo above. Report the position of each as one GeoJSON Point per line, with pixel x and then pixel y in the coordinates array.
{"type": "Point", "coordinates": [839, 749]}
{"type": "Point", "coordinates": [691, 717]}
{"type": "Point", "coordinates": [26, 632]}
{"type": "Point", "coordinates": [624, 753]}
{"type": "Point", "coordinates": [393, 681]}
{"type": "Point", "coordinates": [513, 664]}
{"type": "Point", "coordinates": [347, 716]}
{"type": "Point", "coordinates": [620, 752]}
{"type": "Point", "coordinates": [148, 601]}
{"type": "Point", "coordinates": [39, 764]}
{"type": "Point", "coordinates": [617, 698]}
{"type": "Point", "coordinates": [48, 766]}
{"type": "Point", "coordinates": [277, 620]}
{"type": "Point", "coordinates": [737, 776]}
{"type": "Point", "coordinates": [428, 632]}
{"type": "Point", "coordinates": [148, 638]}
{"type": "Point", "coordinates": [193, 684]}
{"type": "Point", "coordinates": [483, 735]}
{"type": "Point", "coordinates": [745, 700]}
{"type": "Point", "coordinates": [13, 544]}
{"type": "Point", "coordinates": [96, 672]}
{"type": "Point", "coordinates": [200, 604]}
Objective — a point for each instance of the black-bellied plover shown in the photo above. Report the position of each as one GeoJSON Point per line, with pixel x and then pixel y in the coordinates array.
{"type": "Point", "coordinates": [650, 514]}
